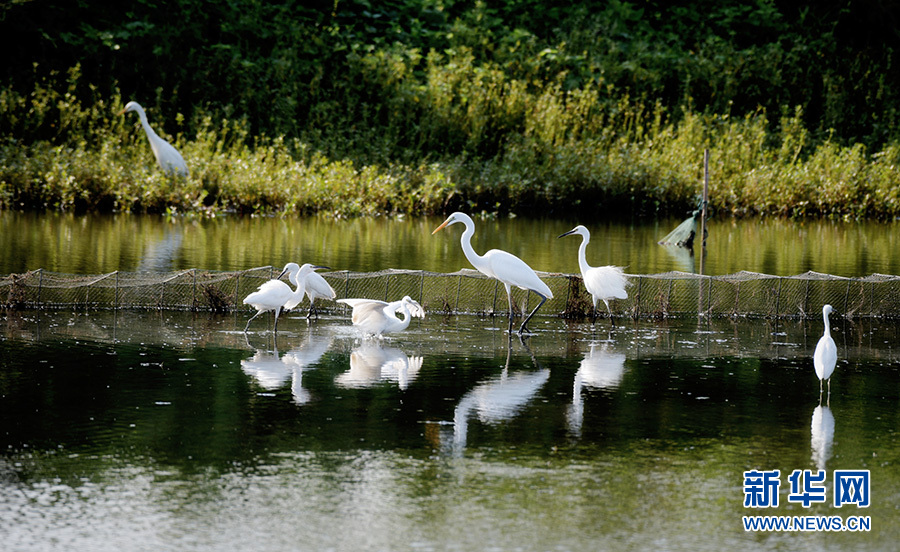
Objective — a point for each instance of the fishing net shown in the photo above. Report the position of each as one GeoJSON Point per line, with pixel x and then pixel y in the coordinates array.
{"type": "Point", "coordinates": [468, 292]}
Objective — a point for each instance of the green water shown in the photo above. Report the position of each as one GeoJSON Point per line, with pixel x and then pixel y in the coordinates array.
{"type": "Point", "coordinates": [102, 244]}
{"type": "Point", "coordinates": [139, 431]}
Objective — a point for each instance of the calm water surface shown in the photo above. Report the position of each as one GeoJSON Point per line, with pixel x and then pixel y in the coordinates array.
{"type": "Point", "coordinates": [137, 431]}
{"type": "Point", "coordinates": [102, 244]}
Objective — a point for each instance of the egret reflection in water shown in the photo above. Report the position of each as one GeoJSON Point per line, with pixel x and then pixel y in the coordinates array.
{"type": "Point", "coordinates": [600, 369]}
{"type": "Point", "coordinates": [371, 363]}
{"type": "Point", "coordinates": [822, 436]}
{"type": "Point", "coordinates": [272, 371]}
{"type": "Point", "coordinates": [498, 399]}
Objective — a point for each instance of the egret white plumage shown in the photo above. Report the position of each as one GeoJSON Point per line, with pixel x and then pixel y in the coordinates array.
{"type": "Point", "coordinates": [167, 156]}
{"type": "Point", "coordinates": [375, 317]}
{"type": "Point", "coordinates": [602, 282]}
{"type": "Point", "coordinates": [825, 356]}
{"type": "Point", "coordinates": [275, 295]}
{"type": "Point", "coordinates": [503, 266]}
{"type": "Point", "coordinates": [317, 288]}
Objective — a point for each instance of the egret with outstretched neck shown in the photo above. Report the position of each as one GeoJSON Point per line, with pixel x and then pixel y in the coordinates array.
{"type": "Point", "coordinates": [503, 266]}
{"type": "Point", "coordinates": [167, 156]}
{"type": "Point", "coordinates": [375, 317]}
{"type": "Point", "coordinates": [602, 282]}
{"type": "Point", "coordinates": [825, 357]}
{"type": "Point", "coordinates": [277, 296]}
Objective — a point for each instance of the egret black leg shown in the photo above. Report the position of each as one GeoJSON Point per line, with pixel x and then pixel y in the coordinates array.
{"type": "Point", "coordinates": [524, 328]}
{"type": "Point", "coordinates": [509, 297]}
{"type": "Point", "coordinates": [277, 312]}
{"type": "Point", "coordinates": [247, 327]}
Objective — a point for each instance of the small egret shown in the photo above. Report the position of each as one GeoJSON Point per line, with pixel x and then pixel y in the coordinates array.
{"type": "Point", "coordinates": [317, 288]}
{"type": "Point", "coordinates": [374, 317]}
{"type": "Point", "coordinates": [275, 295]}
{"type": "Point", "coordinates": [825, 356]}
{"type": "Point", "coordinates": [602, 282]}
{"type": "Point", "coordinates": [503, 266]}
{"type": "Point", "coordinates": [167, 156]}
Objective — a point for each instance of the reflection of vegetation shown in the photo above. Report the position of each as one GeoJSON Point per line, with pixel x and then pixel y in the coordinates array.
{"type": "Point", "coordinates": [426, 105]}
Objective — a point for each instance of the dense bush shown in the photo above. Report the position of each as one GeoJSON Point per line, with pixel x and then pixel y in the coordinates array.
{"type": "Point", "coordinates": [360, 107]}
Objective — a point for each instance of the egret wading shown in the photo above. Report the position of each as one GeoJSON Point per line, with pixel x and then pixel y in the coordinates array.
{"type": "Point", "coordinates": [825, 356]}
{"type": "Point", "coordinates": [167, 156]}
{"type": "Point", "coordinates": [317, 288]}
{"type": "Point", "coordinates": [275, 295]}
{"type": "Point", "coordinates": [503, 266]}
{"type": "Point", "coordinates": [602, 282]}
{"type": "Point", "coordinates": [374, 317]}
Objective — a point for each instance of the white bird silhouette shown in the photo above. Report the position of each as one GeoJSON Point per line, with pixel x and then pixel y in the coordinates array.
{"type": "Point", "coordinates": [317, 288]}
{"type": "Point", "coordinates": [275, 295]}
{"type": "Point", "coordinates": [375, 317]}
{"type": "Point", "coordinates": [602, 282]}
{"type": "Point", "coordinates": [503, 266]}
{"type": "Point", "coordinates": [825, 356]}
{"type": "Point", "coordinates": [167, 156]}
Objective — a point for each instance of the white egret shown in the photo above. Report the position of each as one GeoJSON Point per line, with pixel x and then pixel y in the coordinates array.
{"type": "Point", "coordinates": [602, 282]}
{"type": "Point", "coordinates": [275, 295]}
{"type": "Point", "coordinates": [375, 317]}
{"type": "Point", "coordinates": [317, 288]}
{"type": "Point", "coordinates": [167, 156]}
{"type": "Point", "coordinates": [503, 266]}
{"type": "Point", "coordinates": [825, 356]}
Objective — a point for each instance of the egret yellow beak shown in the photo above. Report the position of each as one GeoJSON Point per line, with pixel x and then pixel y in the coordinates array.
{"type": "Point", "coordinates": [441, 227]}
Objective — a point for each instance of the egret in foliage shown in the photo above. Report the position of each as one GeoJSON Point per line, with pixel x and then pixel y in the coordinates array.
{"type": "Point", "coordinates": [167, 156]}
{"type": "Point", "coordinates": [825, 356]}
{"type": "Point", "coordinates": [275, 295]}
{"type": "Point", "coordinates": [503, 266]}
{"type": "Point", "coordinates": [375, 317]}
{"type": "Point", "coordinates": [317, 288]}
{"type": "Point", "coordinates": [602, 282]}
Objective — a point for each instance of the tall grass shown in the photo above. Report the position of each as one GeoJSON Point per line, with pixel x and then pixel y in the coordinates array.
{"type": "Point", "coordinates": [508, 145]}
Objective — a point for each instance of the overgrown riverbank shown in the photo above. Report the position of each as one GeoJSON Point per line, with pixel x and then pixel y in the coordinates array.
{"type": "Point", "coordinates": [426, 107]}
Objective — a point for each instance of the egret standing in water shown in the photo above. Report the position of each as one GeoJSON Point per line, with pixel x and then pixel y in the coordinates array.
{"type": "Point", "coordinates": [825, 356]}
{"type": "Point", "coordinates": [317, 288]}
{"type": "Point", "coordinates": [503, 266]}
{"type": "Point", "coordinates": [375, 317]}
{"type": "Point", "coordinates": [167, 156]}
{"type": "Point", "coordinates": [275, 295]}
{"type": "Point", "coordinates": [602, 282]}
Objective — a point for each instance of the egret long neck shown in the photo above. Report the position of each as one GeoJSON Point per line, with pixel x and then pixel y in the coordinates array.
{"type": "Point", "coordinates": [582, 256]}
{"type": "Point", "coordinates": [827, 324]}
{"type": "Point", "coordinates": [144, 123]}
{"type": "Point", "coordinates": [466, 241]}
{"type": "Point", "coordinates": [404, 310]}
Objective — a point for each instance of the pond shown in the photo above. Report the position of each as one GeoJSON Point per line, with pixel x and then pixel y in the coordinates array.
{"type": "Point", "coordinates": [132, 430]}
{"type": "Point", "coordinates": [103, 244]}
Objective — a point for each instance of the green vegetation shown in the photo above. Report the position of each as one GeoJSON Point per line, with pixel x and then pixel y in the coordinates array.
{"type": "Point", "coordinates": [424, 106]}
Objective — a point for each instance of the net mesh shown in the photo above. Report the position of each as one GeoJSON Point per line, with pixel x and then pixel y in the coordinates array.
{"type": "Point", "coordinates": [469, 292]}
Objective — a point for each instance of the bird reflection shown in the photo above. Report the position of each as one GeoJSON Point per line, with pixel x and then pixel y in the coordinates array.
{"type": "Point", "coordinates": [497, 399]}
{"type": "Point", "coordinates": [271, 370]}
{"type": "Point", "coordinates": [267, 369]}
{"type": "Point", "coordinates": [159, 255]}
{"type": "Point", "coordinates": [822, 435]}
{"type": "Point", "coordinates": [600, 369]}
{"type": "Point", "coordinates": [371, 363]}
